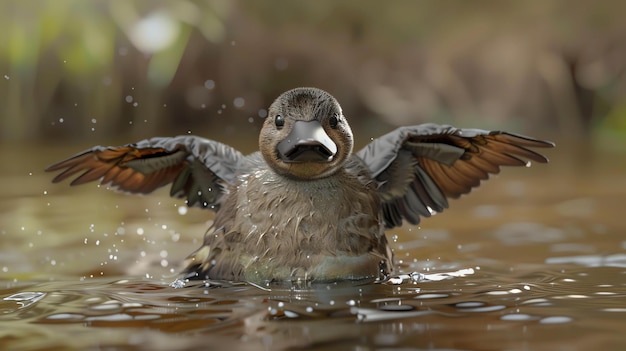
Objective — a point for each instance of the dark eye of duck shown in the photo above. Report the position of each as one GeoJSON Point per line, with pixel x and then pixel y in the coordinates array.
{"type": "Point", "coordinates": [279, 121]}
{"type": "Point", "coordinates": [333, 121]}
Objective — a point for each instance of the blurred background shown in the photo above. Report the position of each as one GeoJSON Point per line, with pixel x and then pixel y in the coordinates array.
{"type": "Point", "coordinates": [116, 71]}
{"type": "Point", "coordinates": [77, 73]}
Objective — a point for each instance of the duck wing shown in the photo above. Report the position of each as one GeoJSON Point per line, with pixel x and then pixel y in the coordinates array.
{"type": "Point", "coordinates": [195, 166]}
{"type": "Point", "coordinates": [419, 167]}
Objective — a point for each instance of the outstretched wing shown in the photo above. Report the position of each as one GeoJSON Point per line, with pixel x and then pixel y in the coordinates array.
{"type": "Point", "coordinates": [420, 167]}
{"type": "Point", "coordinates": [195, 166]}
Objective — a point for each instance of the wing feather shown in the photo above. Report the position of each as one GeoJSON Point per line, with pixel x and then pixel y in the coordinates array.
{"type": "Point", "coordinates": [196, 167]}
{"type": "Point", "coordinates": [421, 166]}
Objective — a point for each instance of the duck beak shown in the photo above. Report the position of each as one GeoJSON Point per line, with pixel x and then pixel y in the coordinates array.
{"type": "Point", "coordinates": [307, 142]}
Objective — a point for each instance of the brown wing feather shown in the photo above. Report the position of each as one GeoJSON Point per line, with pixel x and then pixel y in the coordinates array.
{"type": "Point", "coordinates": [486, 166]}
{"type": "Point", "coordinates": [483, 155]}
{"type": "Point", "coordinates": [109, 166]}
{"type": "Point", "coordinates": [448, 162]}
{"type": "Point", "coordinates": [445, 179]}
{"type": "Point", "coordinates": [196, 167]}
{"type": "Point", "coordinates": [471, 170]}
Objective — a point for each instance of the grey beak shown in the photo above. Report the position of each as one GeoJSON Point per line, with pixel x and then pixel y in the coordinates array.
{"type": "Point", "coordinates": [307, 142]}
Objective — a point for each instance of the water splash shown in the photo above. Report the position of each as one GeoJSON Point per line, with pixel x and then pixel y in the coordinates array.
{"type": "Point", "coordinates": [25, 299]}
{"type": "Point", "coordinates": [417, 277]}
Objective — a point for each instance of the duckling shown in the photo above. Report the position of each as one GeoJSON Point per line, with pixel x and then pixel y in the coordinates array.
{"type": "Point", "coordinates": [305, 207]}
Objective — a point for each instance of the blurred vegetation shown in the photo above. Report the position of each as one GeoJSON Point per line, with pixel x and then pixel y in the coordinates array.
{"type": "Point", "coordinates": [97, 69]}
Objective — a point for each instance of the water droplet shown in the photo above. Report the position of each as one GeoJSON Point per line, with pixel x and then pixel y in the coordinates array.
{"type": "Point", "coordinates": [178, 284]}
{"type": "Point", "coordinates": [209, 84]}
{"type": "Point", "coordinates": [6, 77]}
{"type": "Point", "coordinates": [239, 102]}
{"type": "Point", "coordinates": [129, 98]}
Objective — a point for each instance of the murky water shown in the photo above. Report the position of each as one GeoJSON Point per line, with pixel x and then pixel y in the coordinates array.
{"type": "Point", "coordinates": [534, 260]}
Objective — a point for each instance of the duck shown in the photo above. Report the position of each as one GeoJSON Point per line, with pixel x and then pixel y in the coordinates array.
{"type": "Point", "coordinates": [305, 207]}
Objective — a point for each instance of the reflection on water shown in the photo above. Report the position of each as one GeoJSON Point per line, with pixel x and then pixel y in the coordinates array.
{"type": "Point", "coordinates": [536, 260]}
{"type": "Point", "coordinates": [485, 310]}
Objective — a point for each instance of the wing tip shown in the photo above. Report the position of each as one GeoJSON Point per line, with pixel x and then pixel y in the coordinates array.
{"type": "Point", "coordinates": [59, 165]}
{"type": "Point", "coordinates": [526, 140]}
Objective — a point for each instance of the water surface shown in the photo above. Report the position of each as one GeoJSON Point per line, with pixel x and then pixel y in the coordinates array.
{"type": "Point", "coordinates": [534, 260]}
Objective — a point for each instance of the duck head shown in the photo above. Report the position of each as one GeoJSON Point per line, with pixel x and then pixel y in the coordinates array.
{"type": "Point", "coordinates": [305, 135]}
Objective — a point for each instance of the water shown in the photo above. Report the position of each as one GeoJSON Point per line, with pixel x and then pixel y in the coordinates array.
{"type": "Point", "coordinates": [535, 260]}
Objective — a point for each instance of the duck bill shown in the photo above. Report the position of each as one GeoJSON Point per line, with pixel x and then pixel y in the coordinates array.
{"type": "Point", "coordinates": [307, 142]}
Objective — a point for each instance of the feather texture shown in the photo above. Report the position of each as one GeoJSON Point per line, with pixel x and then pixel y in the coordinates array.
{"type": "Point", "coordinates": [196, 167]}
{"type": "Point", "coordinates": [420, 167]}
{"type": "Point", "coordinates": [315, 218]}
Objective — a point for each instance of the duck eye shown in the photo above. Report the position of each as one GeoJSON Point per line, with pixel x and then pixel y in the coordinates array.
{"type": "Point", "coordinates": [333, 121]}
{"type": "Point", "coordinates": [279, 121]}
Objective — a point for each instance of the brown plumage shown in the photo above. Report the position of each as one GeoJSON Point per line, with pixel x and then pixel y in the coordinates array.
{"type": "Point", "coordinates": [305, 208]}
